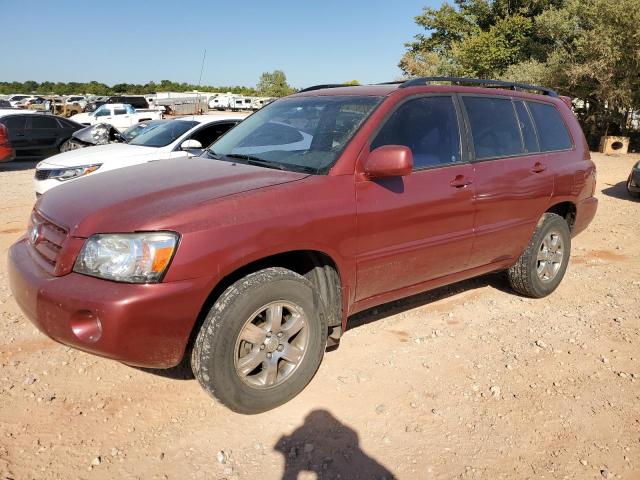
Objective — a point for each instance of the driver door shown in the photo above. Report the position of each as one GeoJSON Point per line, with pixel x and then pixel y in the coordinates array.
{"type": "Point", "coordinates": [420, 227]}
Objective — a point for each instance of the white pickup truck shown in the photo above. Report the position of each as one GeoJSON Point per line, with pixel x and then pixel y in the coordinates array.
{"type": "Point", "coordinates": [120, 115]}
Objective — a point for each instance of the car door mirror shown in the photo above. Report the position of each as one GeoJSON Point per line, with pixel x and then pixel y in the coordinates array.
{"type": "Point", "coordinates": [190, 145]}
{"type": "Point", "coordinates": [389, 161]}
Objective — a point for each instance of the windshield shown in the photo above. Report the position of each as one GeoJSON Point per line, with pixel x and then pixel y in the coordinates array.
{"type": "Point", "coordinates": [132, 132]}
{"type": "Point", "coordinates": [164, 134]}
{"type": "Point", "coordinates": [304, 133]}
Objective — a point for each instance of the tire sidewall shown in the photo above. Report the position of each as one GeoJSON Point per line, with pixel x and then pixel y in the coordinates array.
{"type": "Point", "coordinates": [215, 347]}
{"type": "Point", "coordinates": [551, 222]}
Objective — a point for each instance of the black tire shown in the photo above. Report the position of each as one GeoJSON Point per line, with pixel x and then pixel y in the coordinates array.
{"type": "Point", "coordinates": [632, 194]}
{"type": "Point", "coordinates": [213, 359]}
{"type": "Point", "coordinates": [523, 276]}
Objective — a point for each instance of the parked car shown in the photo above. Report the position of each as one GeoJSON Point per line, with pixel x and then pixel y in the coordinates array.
{"type": "Point", "coordinates": [136, 101]}
{"type": "Point", "coordinates": [257, 260]}
{"type": "Point", "coordinates": [34, 136]}
{"type": "Point", "coordinates": [172, 139]}
{"type": "Point", "coordinates": [79, 100]}
{"type": "Point", "coordinates": [14, 99]}
{"type": "Point", "coordinates": [103, 133]}
{"type": "Point", "coordinates": [633, 182]}
{"type": "Point", "coordinates": [120, 115]}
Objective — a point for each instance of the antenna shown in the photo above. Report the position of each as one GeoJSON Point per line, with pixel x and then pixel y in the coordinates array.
{"type": "Point", "coordinates": [204, 55]}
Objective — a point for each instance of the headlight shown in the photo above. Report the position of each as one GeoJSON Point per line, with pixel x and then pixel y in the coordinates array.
{"type": "Point", "coordinates": [73, 172]}
{"type": "Point", "coordinates": [131, 258]}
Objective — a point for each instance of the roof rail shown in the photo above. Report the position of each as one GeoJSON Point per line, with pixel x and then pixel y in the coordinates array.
{"type": "Point", "coordinates": [320, 87]}
{"type": "Point", "coordinates": [478, 81]}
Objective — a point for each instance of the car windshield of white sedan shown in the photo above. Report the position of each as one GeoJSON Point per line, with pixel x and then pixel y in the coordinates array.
{"type": "Point", "coordinates": [304, 134]}
{"type": "Point", "coordinates": [164, 134]}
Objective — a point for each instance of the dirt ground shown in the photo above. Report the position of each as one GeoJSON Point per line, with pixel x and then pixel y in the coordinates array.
{"type": "Point", "coordinates": [469, 382]}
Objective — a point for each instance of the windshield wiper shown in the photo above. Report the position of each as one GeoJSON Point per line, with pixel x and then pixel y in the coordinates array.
{"type": "Point", "coordinates": [211, 154]}
{"type": "Point", "coordinates": [257, 161]}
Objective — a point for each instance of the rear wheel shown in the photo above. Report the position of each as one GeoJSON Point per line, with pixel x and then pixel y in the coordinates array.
{"type": "Point", "coordinates": [542, 265]}
{"type": "Point", "coordinates": [261, 342]}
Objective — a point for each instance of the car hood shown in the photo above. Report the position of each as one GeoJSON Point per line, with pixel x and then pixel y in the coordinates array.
{"type": "Point", "coordinates": [82, 117]}
{"type": "Point", "coordinates": [152, 196]}
{"type": "Point", "coordinates": [96, 154]}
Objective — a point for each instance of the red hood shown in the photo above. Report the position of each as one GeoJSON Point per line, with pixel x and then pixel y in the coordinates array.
{"type": "Point", "coordinates": [151, 196]}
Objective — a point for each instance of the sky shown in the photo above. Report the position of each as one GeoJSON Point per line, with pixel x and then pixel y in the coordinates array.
{"type": "Point", "coordinates": [117, 41]}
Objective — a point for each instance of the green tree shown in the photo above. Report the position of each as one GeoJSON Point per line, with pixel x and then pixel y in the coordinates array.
{"type": "Point", "coordinates": [274, 84]}
{"type": "Point", "coordinates": [586, 49]}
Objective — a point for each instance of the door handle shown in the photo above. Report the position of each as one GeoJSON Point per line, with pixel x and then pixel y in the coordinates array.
{"type": "Point", "coordinates": [538, 167]}
{"type": "Point", "coordinates": [460, 181]}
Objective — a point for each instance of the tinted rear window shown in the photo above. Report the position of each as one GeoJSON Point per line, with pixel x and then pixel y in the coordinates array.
{"type": "Point", "coordinates": [43, 122]}
{"type": "Point", "coordinates": [494, 127]}
{"type": "Point", "coordinates": [15, 121]}
{"type": "Point", "coordinates": [552, 131]}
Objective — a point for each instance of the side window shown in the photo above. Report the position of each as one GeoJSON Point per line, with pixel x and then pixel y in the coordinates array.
{"type": "Point", "coordinates": [43, 122]}
{"type": "Point", "coordinates": [65, 124]}
{"type": "Point", "coordinates": [494, 127]}
{"type": "Point", "coordinates": [209, 134]}
{"type": "Point", "coordinates": [526, 126]}
{"type": "Point", "coordinates": [120, 111]}
{"type": "Point", "coordinates": [552, 131]}
{"type": "Point", "coordinates": [103, 111]}
{"type": "Point", "coordinates": [15, 121]}
{"type": "Point", "coordinates": [429, 127]}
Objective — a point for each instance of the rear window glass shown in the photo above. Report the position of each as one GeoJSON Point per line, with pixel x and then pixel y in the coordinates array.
{"type": "Point", "coordinates": [526, 126]}
{"type": "Point", "coordinates": [14, 121]}
{"type": "Point", "coordinates": [43, 122]}
{"type": "Point", "coordinates": [494, 127]}
{"type": "Point", "coordinates": [552, 131]}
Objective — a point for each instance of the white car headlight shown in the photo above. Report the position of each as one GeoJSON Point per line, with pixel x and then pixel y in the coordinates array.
{"type": "Point", "coordinates": [131, 258]}
{"type": "Point", "coordinates": [63, 174]}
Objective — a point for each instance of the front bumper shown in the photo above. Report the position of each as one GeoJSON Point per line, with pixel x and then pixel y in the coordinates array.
{"type": "Point", "coordinates": [633, 183]}
{"type": "Point", "coordinates": [145, 325]}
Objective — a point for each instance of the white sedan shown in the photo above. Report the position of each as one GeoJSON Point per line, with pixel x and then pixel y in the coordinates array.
{"type": "Point", "coordinates": [177, 138]}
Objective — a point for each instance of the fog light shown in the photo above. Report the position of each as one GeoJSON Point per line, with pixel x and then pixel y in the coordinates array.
{"type": "Point", "coordinates": [86, 326]}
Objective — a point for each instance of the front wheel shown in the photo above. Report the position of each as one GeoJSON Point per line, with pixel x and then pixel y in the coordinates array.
{"type": "Point", "coordinates": [542, 265]}
{"type": "Point", "coordinates": [262, 341]}
{"type": "Point", "coordinates": [632, 193]}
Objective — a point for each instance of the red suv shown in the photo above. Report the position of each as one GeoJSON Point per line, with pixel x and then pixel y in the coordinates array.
{"type": "Point", "coordinates": [322, 204]}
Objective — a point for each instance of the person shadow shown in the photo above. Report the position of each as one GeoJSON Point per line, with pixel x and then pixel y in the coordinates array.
{"type": "Point", "coordinates": [328, 448]}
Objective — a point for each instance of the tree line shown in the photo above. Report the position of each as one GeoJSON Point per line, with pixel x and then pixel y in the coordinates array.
{"type": "Point", "coordinates": [97, 88]}
{"type": "Point", "coordinates": [586, 49]}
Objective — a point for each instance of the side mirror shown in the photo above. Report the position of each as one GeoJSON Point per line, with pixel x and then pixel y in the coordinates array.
{"type": "Point", "coordinates": [389, 161]}
{"type": "Point", "coordinates": [190, 145]}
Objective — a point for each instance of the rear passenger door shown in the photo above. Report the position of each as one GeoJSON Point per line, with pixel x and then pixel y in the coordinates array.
{"type": "Point", "coordinates": [420, 227]}
{"type": "Point", "coordinates": [43, 132]}
{"type": "Point", "coordinates": [512, 178]}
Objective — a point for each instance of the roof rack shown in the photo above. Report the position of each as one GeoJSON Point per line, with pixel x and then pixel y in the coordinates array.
{"type": "Point", "coordinates": [478, 81]}
{"type": "Point", "coordinates": [320, 87]}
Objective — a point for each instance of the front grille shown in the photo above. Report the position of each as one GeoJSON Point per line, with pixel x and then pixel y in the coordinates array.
{"type": "Point", "coordinates": [43, 174]}
{"type": "Point", "coordinates": [46, 238]}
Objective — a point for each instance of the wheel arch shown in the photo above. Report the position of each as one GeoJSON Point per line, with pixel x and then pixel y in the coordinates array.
{"type": "Point", "coordinates": [317, 266]}
{"type": "Point", "coordinates": [567, 210]}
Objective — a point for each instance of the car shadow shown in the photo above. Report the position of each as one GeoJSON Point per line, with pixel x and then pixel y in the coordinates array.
{"type": "Point", "coordinates": [18, 165]}
{"type": "Point", "coordinates": [619, 191]}
{"type": "Point", "coordinates": [495, 280]}
{"type": "Point", "coordinates": [325, 446]}
{"type": "Point", "coordinates": [182, 371]}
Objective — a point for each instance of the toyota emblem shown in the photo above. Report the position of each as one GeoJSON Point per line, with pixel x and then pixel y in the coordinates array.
{"type": "Point", "coordinates": [34, 234]}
